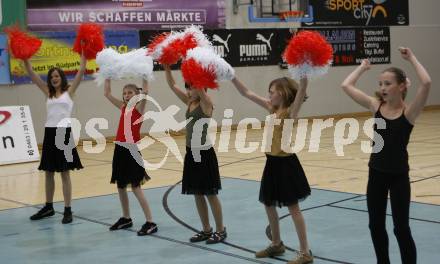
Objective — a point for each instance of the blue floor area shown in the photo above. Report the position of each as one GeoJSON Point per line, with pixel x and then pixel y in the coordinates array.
{"type": "Point", "coordinates": [337, 226]}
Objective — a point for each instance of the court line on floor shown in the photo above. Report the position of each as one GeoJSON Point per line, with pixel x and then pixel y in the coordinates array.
{"type": "Point", "coordinates": [355, 209]}
{"type": "Point", "coordinates": [424, 179]}
{"type": "Point", "coordinates": [365, 211]}
{"type": "Point", "coordinates": [152, 235]}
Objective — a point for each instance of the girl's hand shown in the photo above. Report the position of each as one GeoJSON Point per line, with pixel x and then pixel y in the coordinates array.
{"type": "Point", "coordinates": [406, 53]}
{"type": "Point", "coordinates": [365, 64]}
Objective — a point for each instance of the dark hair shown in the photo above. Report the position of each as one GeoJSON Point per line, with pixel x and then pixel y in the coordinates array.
{"type": "Point", "coordinates": [188, 87]}
{"type": "Point", "coordinates": [64, 84]}
{"type": "Point", "coordinates": [287, 88]}
{"type": "Point", "coordinates": [400, 77]}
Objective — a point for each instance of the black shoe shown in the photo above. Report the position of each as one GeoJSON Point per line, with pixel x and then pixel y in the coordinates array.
{"type": "Point", "coordinates": [46, 211]}
{"type": "Point", "coordinates": [201, 236]}
{"type": "Point", "coordinates": [217, 237]}
{"type": "Point", "coordinates": [67, 218]}
{"type": "Point", "coordinates": [122, 223]}
{"type": "Point", "coordinates": [147, 229]}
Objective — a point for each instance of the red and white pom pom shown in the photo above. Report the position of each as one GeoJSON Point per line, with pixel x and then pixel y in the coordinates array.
{"type": "Point", "coordinates": [169, 48]}
{"type": "Point", "coordinates": [203, 68]}
{"type": "Point", "coordinates": [22, 45]}
{"type": "Point", "coordinates": [193, 37]}
{"type": "Point", "coordinates": [308, 54]}
{"type": "Point", "coordinates": [164, 48]}
{"type": "Point", "coordinates": [156, 41]}
{"type": "Point", "coordinates": [89, 40]}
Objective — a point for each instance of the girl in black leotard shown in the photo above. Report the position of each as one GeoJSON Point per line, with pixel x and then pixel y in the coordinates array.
{"type": "Point", "coordinates": [388, 168]}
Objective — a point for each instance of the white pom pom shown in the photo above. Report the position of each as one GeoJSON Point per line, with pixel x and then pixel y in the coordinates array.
{"type": "Point", "coordinates": [135, 64]}
{"type": "Point", "coordinates": [105, 58]}
{"type": "Point", "coordinates": [308, 71]}
{"type": "Point", "coordinates": [208, 58]}
{"type": "Point", "coordinates": [116, 66]}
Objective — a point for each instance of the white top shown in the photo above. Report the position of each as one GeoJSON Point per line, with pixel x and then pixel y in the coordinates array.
{"type": "Point", "coordinates": [58, 109]}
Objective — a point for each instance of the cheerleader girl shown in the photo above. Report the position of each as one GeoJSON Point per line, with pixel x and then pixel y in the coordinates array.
{"type": "Point", "coordinates": [284, 182]}
{"type": "Point", "coordinates": [59, 104]}
{"type": "Point", "coordinates": [388, 167]}
{"type": "Point", "coordinates": [200, 178]}
{"type": "Point", "coordinates": [125, 169]}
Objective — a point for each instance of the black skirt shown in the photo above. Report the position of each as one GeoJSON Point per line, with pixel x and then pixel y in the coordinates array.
{"type": "Point", "coordinates": [125, 169]}
{"type": "Point", "coordinates": [201, 178]}
{"type": "Point", "coordinates": [284, 182]}
{"type": "Point", "coordinates": [54, 159]}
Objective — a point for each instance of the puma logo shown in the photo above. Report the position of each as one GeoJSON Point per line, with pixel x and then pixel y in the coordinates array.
{"type": "Point", "coordinates": [217, 38]}
{"type": "Point", "coordinates": [267, 41]}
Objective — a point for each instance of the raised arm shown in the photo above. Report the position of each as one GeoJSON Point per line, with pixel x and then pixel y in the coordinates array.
{"type": "Point", "coordinates": [79, 75]}
{"type": "Point", "coordinates": [108, 93]}
{"type": "Point", "coordinates": [172, 84]}
{"type": "Point", "coordinates": [244, 91]}
{"type": "Point", "coordinates": [416, 106]}
{"type": "Point", "coordinates": [36, 78]}
{"type": "Point", "coordinates": [140, 106]}
{"type": "Point", "coordinates": [205, 101]}
{"type": "Point", "coordinates": [348, 85]}
{"type": "Point", "coordinates": [299, 99]}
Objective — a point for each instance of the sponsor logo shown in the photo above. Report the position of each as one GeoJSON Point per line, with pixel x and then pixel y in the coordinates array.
{"type": "Point", "coordinates": [4, 116]}
{"type": "Point", "coordinates": [220, 49]}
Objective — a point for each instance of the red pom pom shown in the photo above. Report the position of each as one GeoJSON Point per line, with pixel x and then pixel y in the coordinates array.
{"type": "Point", "coordinates": [308, 47]}
{"type": "Point", "coordinates": [197, 76]}
{"type": "Point", "coordinates": [22, 45]}
{"type": "Point", "coordinates": [89, 40]}
{"type": "Point", "coordinates": [171, 53]}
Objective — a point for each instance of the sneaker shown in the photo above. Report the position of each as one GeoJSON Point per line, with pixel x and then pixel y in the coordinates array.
{"type": "Point", "coordinates": [217, 237]}
{"type": "Point", "coordinates": [302, 258]}
{"type": "Point", "coordinates": [271, 251]}
{"type": "Point", "coordinates": [46, 211]}
{"type": "Point", "coordinates": [147, 229]}
{"type": "Point", "coordinates": [122, 223]}
{"type": "Point", "coordinates": [67, 218]}
{"type": "Point", "coordinates": [201, 236]}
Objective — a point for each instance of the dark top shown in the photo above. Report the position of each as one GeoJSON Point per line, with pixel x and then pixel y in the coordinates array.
{"type": "Point", "coordinates": [393, 157]}
{"type": "Point", "coordinates": [196, 115]}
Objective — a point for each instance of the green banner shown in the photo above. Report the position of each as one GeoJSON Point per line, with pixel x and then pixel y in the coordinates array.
{"type": "Point", "coordinates": [12, 12]}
